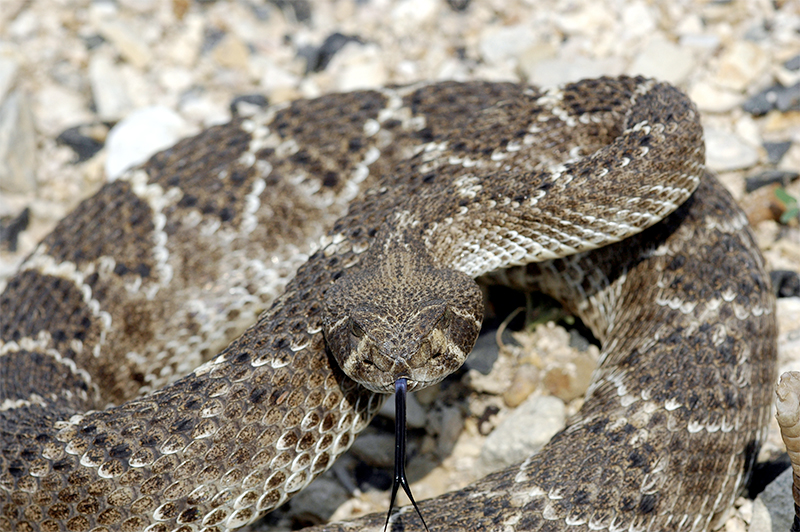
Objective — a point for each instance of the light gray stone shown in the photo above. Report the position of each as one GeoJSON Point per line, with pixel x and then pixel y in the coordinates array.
{"type": "Point", "coordinates": [140, 135]}
{"type": "Point", "coordinates": [126, 41]}
{"type": "Point", "coordinates": [726, 151]}
{"type": "Point", "coordinates": [109, 89]}
{"type": "Point", "coordinates": [8, 73]}
{"type": "Point", "coordinates": [522, 433]}
{"type": "Point", "coordinates": [320, 499]}
{"type": "Point", "coordinates": [505, 42]}
{"type": "Point", "coordinates": [375, 449]}
{"type": "Point", "coordinates": [415, 413]}
{"type": "Point", "coordinates": [663, 60]}
{"type": "Point", "coordinates": [558, 70]}
{"type": "Point", "coordinates": [17, 145]}
{"type": "Point", "coordinates": [774, 507]}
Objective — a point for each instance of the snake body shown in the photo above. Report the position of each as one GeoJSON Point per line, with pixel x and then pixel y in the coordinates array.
{"type": "Point", "coordinates": [111, 420]}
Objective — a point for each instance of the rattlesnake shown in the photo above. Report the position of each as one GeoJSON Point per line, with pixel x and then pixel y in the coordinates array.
{"type": "Point", "coordinates": [162, 267]}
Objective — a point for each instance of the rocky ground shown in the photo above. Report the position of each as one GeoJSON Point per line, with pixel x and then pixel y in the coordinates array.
{"type": "Point", "coordinates": [89, 88]}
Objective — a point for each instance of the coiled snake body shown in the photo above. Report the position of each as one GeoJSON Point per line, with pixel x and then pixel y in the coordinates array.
{"type": "Point", "coordinates": [163, 267]}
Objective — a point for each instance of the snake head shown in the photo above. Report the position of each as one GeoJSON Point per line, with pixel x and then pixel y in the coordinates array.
{"type": "Point", "coordinates": [384, 324]}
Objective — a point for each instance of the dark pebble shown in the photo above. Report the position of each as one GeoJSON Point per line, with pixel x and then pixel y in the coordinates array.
{"type": "Point", "coordinates": [10, 228]}
{"type": "Point", "coordinates": [211, 37]}
{"type": "Point", "coordinates": [783, 177]}
{"type": "Point", "coordinates": [776, 150]}
{"type": "Point", "coordinates": [763, 102]}
{"type": "Point", "coordinates": [239, 103]}
{"type": "Point", "coordinates": [793, 63]}
{"type": "Point", "coordinates": [85, 140]}
{"type": "Point", "coordinates": [458, 5]}
{"type": "Point", "coordinates": [318, 58]}
{"type": "Point", "coordinates": [485, 352]}
{"type": "Point", "coordinates": [93, 41]}
{"type": "Point", "coordinates": [775, 97]}
{"type": "Point", "coordinates": [785, 283]}
{"type": "Point", "coordinates": [301, 9]}
{"type": "Point", "coordinates": [788, 99]}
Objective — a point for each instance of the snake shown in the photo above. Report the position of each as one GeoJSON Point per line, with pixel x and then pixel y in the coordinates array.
{"type": "Point", "coordinates": [204, 336]}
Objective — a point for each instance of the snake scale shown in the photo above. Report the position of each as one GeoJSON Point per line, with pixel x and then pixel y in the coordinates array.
{"type": "Point", "coordinates": [116, 415]}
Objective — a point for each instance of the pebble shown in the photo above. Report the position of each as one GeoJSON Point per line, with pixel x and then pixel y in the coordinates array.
{"type": "Point", "coordinates": [140, 135]}
{"type": "Point", "coordinates": [17, 145]}
{"type": "Point", "coordinates": [320, 499]}
{"type": "Point", "coordinates": [358, 67]}
{"type": "Point", "coordinates": [556, 71]}
{"type": "Point", "coordinates": [375, 448]}
{"type": "Point", "coordinates": [416, 416]}
{"type": "Point", "coordinates": [231, 52]}
{"type": "Point", "coordinates": [726, 151]}
{"type": "Point", "coordinates": [318, 57]}
{"type": "Point", "coordinates": [126, 41]}
{"type": "Point", "coordinates": [777, 501]}
{"type": "Point", "coordinates": [776, 150]}
{"type": "Point", "coordinates": [85, 140]}
{"type": "Point", "coordinates": [740, 65]}
{"type": "Point", "coordinates": [712, 99]}
{"type": "Point", "coordinates": [664, 60]}
{"type": "Point", "coordinates": [785, 283]}
{"type": "Point", "coordinates": [109, 88]}
{"type": "Point", "coordinates": [8, 73]}
{"type": "Point", "coordinates": [769, 177]}
{"type": "Point", "coordinates": [11, 227]}
{"type": "Point", "coordinates": [507, 444]}
{"type": "Point", "coordinates": [504, 43]}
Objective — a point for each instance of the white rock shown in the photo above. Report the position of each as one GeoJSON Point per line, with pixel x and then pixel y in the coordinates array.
{"type": "Point", "coordinates": [663, 60]}
{"type": "Point", "coordinates": [740, 65]}
{"type": "Point", "coordinates": [409, 15]}
{"type": "Point", "coordinates": [357, 67]}
{"type": "Point", "coordinates": [542, 417]}
{"type": "Point", "coordinates": [141, 6]}
{"type": "Point", "coordinates": [761, 520]}
{"type": "Point", "coordinates": [17, 145]}
{"type": "Point", "coordinates": [57, 107]}
{"type": "Point", "coordinates": [272, 76]}
{"type": "Point", "coordinates": [726, 151]}
{"type": "Point", "coordinates": [127, 42]}
{"type": "Point", "coordinates": [711, 99]}
{"type": "Point", "coordinates": [205, 109]}
{"type": "Point", "coordinates": [637, 19]}
{"type": "Point", "coordinates": [8, 73]}
{"type": "Point", "coordinates": [747, 129]}
{"type": "Point", "coordinates": [140, 135]}
{"type": "Point", "coordinates": [590, 18]}
{"type": "Point", "coordinates": [505, 42]}
{"type": "Point", "coordinates": [108, 88]}
{"type": "Point", "coordinates": [555, 71]}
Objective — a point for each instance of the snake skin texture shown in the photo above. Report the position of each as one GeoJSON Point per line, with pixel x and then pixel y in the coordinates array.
{"type": "Point", "coordinates": [116, 415]}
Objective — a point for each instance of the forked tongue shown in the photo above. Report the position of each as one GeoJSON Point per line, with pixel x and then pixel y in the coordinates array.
{"type": "Point", "coordinates": [400, 389]}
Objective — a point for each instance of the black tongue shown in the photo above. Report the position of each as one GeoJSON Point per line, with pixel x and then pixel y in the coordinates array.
{"type": "Point", "coordinates": [400, 389]}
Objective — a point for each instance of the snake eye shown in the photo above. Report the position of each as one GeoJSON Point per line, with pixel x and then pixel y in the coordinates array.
{"type": "Point", "coordinates": [356, 329]}
{"type": "Point", "coordinates": [444, 320]}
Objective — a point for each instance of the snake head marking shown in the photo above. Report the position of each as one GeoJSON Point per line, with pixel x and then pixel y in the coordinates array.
{"type": "Point", "coordinates": [419, 326]}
